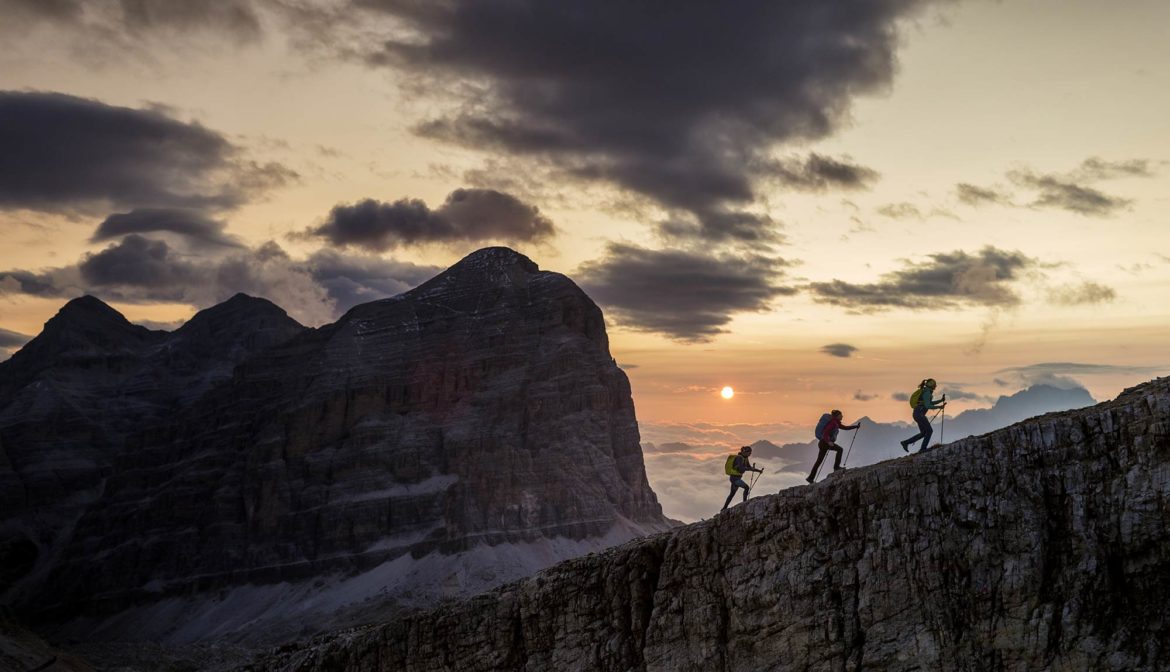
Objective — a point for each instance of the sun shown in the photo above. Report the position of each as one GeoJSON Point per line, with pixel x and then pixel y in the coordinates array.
{"type": "Point", "coordinates": [727, 392]}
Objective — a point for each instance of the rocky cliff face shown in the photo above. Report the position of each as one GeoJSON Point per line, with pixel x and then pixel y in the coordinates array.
{"type": "Point", "coordinates": [465, 433]}
{"type": "Point", "coordinates": [72, 397]}
{"type": "Point", "coordinates": [1042, 546]}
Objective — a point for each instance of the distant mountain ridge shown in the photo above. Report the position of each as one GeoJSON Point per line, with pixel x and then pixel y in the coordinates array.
{"type": "Point", "coordinates": [430, 444]}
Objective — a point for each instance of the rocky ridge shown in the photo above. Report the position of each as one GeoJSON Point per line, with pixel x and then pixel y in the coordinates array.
{"type": "Point", "coordinates": [1044, 545]}
{"type": "Point", "coordinates": [72, 397]}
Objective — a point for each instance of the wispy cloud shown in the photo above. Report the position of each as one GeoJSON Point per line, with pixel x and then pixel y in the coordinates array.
{"type": "Point", "coordinates": [838, 350]}
{"type": "Point", "coordinates": [946, 280]}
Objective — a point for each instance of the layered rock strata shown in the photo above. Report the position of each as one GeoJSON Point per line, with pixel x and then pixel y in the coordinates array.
{"type": "Point", "coordinates": [1042, 546]}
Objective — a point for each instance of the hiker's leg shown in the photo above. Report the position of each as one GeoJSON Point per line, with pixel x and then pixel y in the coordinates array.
{"type": "Point", "coordinates": [817, 467]}
{"type": "Point", "coordinates": [729, 496]}
{"type": "Point", "coordinates": [837, 457]}
{"type": "Point", "coordinates": [924, 428]}
{"type": "Point", "coordinates": [745, 487]}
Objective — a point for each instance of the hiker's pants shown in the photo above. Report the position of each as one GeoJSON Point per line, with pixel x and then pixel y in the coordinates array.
{"type": "Point", "coordinates": [924, 428]}
{"type": "Point", "coordinates": [736, 483]}
{"type": "Point", "coordinates": [824, 450]}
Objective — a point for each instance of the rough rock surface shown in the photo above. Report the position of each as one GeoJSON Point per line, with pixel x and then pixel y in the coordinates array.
{"type": "Point", "coordinates": [22, 651]}
{"type": "Point", "coordinates": [1041, 546]}
{"type": "Point", "coordinates": [478, 413]}
{"type": "Point", "coordinates": [73, 395]}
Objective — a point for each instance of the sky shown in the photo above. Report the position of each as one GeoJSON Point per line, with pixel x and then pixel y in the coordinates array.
{"type": "Point", "coordinates": [815, 203]}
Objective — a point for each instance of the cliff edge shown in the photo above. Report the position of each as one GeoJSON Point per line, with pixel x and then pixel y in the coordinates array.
{"type": "Point", "coordinates": [1044, 545]}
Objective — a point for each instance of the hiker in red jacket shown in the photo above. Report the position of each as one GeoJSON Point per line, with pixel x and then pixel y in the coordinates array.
{"type": "Point", "coordinates": [827, 440]}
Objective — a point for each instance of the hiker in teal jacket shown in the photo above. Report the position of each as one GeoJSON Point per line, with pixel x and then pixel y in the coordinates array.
{"type": "Point", "coordinates": [923, 401]}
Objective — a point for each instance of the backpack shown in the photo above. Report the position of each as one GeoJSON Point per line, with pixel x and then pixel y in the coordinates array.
{"type": "Point", "coordinates": [914, 398]}
{"type": "Point", "coordinates": [729, 466]}
{"type": "Point", "coordinates": [821, 425]}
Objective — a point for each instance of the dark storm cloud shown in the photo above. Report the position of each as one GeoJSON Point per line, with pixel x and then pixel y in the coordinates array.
{"type": "Point", "coordinates": [120, 20]}
{"type": "Point", "coordinates": [947, 280]}
{"type": "Point", "coordinates": [839, 350]}
{"type": "Point", "coordinates": [354, 279]}
{"type": "Point", "coordinates": [191, 224]}
{"type": "Point", "coordinates": [57, 11]}
{"type": "Point", "coordinates": [819, 173]}
{"type": "Point", "coordinates": [141, 263]}
{"type": "Point", "coordinates": [235, 17]}
{"type": "Point", "coordinates": [1065, 194]}
{"type": "Point", "coordinates": [973, 195]}
{"type": "Point", "coordinates": [900, 396]}
{"type": "Point", "coordinates": [142, 270]}
{"type": "Point", "coordinates": [682, 106]}
{"type": "Point", "coordinates": [473, 215]}
{"type": "Point", "coordinates": [1086, 293]}
{"type": "Point", "coordinates": [722, 226]}
{"type": "Point", "coordinates": [65, 153]}
{"type": "Point", "coordinates": [688, 296]}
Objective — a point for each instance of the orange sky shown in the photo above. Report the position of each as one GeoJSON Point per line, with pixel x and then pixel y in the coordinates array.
{"type": "Point", "coordinates": [1012, 98]}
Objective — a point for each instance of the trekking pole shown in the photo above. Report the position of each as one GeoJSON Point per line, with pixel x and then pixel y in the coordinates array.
{"type": "Point", "coordinates": [847, 453]}
{"type": "Point", "coordinates": [942, 432]}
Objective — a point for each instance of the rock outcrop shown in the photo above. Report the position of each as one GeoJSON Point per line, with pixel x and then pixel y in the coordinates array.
{"type": "Point", "coordinates": [465, 433]}
{"type": "Point", "coordinates": [1041, 546]}
{"type": "Point", "coordinates": [72, 397]}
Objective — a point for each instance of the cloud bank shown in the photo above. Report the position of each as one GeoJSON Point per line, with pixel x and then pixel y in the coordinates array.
{"type": "Point", "coordinates": [946, 280]}
{"type": "Point", "coordinates": [688, 296]}
{"type": "Point", "coordinates": [682, 107]}
{"type": "Point", "coordinates": [63, 153]}
{"type": "Point", "coordinates": [468, 215]}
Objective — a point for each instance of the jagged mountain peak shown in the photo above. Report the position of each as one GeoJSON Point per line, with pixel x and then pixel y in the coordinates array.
{"type": "Point", "coordinates": [495, 258]}
{"type": "Point", "coordinates": [88, 310]}
{"type": "Point", "coordinates": [490, 267]}
{"type": "Point", "coordinates": [239, 309]}
{"type": "Point", "coordinates": [86, 324]}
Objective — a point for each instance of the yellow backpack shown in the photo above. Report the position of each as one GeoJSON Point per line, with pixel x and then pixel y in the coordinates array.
{"type": "Point", "coordinates": [915, 397]}
{"type": "Point", "coordinates": [729, 466]}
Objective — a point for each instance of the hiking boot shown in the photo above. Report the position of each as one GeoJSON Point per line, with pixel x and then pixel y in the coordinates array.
{"type": "Point", "coordinates": [809, 479]}
{"type": "Point", "coordinates": [839, 469]}
{"type": "Point", "coordinates": [904, 446]}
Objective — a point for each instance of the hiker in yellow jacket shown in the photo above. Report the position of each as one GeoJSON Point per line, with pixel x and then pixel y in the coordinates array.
{"type": "Point", "coordinates": [736, 467]}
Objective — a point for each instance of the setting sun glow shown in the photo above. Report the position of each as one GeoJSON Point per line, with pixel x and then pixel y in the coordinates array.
{"type": "Point", "coordinates": [727, 393]}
